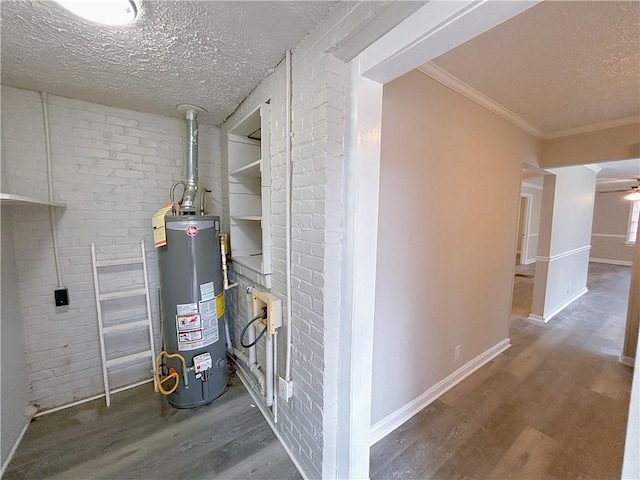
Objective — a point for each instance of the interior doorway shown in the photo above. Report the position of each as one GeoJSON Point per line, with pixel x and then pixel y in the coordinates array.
{"type": "Point", "coordinates": [524, 224]}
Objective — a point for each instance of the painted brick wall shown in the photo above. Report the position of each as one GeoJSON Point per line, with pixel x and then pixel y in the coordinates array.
{"type": "Point", "coordinates": [308, 422]}
{"type": "Point", "coordinates": [113, 169]}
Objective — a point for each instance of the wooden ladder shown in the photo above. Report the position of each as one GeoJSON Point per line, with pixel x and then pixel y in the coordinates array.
{"type": "Point", "coordinates": [123, 327]}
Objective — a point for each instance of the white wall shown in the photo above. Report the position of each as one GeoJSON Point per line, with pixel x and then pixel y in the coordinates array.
{"type": "Point", "coordinates": [565, 240]}
{"type": "Point", "coordinates": [631, 463]}
{"type": "Point", "coordinates": [113, 168]}
{"type": "Point", "coordinates": [610, 223]}
{"type": "Point", "coordinates": [449, 198]}
{"type": "Point", "coordinates": [14, 396]}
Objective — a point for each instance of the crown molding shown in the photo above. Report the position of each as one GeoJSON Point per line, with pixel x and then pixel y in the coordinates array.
{"type": "Point", "coordinates": [593, 168]}
{"type": "Point", "coordinates": [445, 78]}
{"type": "Point", "coordinates": [592, 128]}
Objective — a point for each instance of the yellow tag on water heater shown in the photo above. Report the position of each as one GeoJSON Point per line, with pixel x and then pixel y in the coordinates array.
{"type": "Point", "coordinates": [220, 304]}
{"type": "Point", "coordinates": [159, 231]}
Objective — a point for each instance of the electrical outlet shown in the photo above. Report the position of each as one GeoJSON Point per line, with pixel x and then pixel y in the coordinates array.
{"type": "Point", "coordinates": [456, 353]}
{"type": "Point", "coordinates": [285, 389]}
{"type": "Point", "coordinates": [274, 309]}
{"type": "Point", "coordinates": [62, 297]}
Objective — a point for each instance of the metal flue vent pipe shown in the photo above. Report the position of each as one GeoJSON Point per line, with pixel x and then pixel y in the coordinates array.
{"type": "Point", "coordinates": [188, 206]}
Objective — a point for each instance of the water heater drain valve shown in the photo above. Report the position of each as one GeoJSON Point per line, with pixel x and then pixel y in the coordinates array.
{"type": "Point", "coordinates": [201, 365]}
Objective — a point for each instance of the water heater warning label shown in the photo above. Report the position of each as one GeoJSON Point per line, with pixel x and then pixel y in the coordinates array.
{"type": "Point", "coordinates": [189, 331]}
{"type": "Point", "coordinates": [197, 329]}
{"type": "Point", "coordinates": [207, 292]}
{"type": "Point", "coordinates": [189, 322]}
{"type": "Point", "coordinates": [209, 321]}
{"type": "Point", "coordinates": [187, 308]}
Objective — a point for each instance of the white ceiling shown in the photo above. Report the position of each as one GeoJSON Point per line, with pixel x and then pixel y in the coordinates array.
{"type": "Point", "coordinates": [208, 53]}
{"type": "Point", "coordinates": [558, 65]}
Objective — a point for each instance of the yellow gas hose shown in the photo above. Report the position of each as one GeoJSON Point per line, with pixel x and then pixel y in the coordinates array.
{"type": "Point", "coordinates": [171, 375]}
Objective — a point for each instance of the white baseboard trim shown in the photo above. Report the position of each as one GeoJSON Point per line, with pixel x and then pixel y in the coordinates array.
{"type": "Point", "coordinates": [15, 447]}
{"type": "Point", "coordinates": [90, 399]}
{"type": "Point", "coordinates": [260, 403]}
{"type": "Point", "coordinates": [609, 261]}
{"type": "Point", "coordinates": [389, 423]}
{"type": "Point", "coordinates": [558, 309]}
{"type": "Point", "coordinates": [628, 361]}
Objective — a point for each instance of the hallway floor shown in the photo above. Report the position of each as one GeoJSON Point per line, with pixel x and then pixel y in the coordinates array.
{"type": "Point", "coordinates": [552, 406]}
{"type": "Point", "coordinates": [141, 437]}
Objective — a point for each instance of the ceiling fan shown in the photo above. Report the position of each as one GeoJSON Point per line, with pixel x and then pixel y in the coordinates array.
{"type": "Point", "coordinates": [634, 191]}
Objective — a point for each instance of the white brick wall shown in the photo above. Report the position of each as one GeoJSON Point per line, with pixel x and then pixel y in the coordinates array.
{"type": "Point", "coordinates": [308, 423]}
{"type": "Point", "coordinates": [113, 168]}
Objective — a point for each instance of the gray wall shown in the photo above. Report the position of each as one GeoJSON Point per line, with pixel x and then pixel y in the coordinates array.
{"type": "Point", "coordinates": [13, 387]}
{"type": "Point", "coordinates": [610, 221]}
{"type": "Point", "coordinates": [449, 197]}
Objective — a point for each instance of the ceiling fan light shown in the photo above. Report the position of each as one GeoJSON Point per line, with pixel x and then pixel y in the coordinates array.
{"type": "Point", "coordinates": [106, 12]}
{"type": "Point", "coordinates": [633, 196]}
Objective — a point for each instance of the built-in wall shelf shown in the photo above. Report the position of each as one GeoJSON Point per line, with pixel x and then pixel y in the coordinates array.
{"type": "Point", "coordinates": [250, 170]}
{"type": "Point", "coordinates": [250, 218]}
{"type": "Point", "coordinates": [254, 262]}
{"type": "Point", "coordinates": [11, 199]}
{"type": "Point", "coordinates": [250, 193]}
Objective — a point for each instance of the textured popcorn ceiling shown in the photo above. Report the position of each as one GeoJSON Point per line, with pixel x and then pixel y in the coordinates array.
{"type": "Point", "coordinates": [559, 65]}
{"type": "Point", "coordinates": [208, 53]}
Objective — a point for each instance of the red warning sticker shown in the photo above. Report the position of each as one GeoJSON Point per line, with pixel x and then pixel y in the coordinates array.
{"type": "Point", "coordinates": [191, 230]}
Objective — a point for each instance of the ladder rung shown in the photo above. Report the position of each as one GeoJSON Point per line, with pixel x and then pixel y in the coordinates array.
{"type": "Point", "coordinates": [119, 261]}
{"type": "Point", "coordinates": [123, 327]}
{"type": "Point", "coordinates": [129, 358]}
{"type": "Point", "coordinates": [128, 293]}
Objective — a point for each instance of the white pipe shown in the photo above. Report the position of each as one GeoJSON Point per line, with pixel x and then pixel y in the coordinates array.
{"type": "Point", "coordinates": [251, 337]}
{"type": "Point", "coordinates": [268, 353]}
{"type": "Point", "coordinates": [52, 213]}
{"type": "Point", "coordinates": [254, 369]}
{"type": "Point", "coordinates": [223, 252]}
{"type": "Point", "coordinates": [275, 376]}
{"type": "Point", "coordinates": [252, 328]}
{"type": "Point", "coordinates": [288, 212]}
{"type": "Point", "coordinates": [228, 336]}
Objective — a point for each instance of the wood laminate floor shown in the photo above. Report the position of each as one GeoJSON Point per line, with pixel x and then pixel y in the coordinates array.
{"type": "Point", "coordinates": [528, 270]}
{"type": "Point", "coordinates": [141, 437]}
{"type": "Point", "coordinates": [553, 406]}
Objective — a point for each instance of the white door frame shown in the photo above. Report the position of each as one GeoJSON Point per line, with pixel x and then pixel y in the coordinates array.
{"type": "Point", "coordinates": [432, 30]}
{"type": "Point", "coordinates": [526, 227]}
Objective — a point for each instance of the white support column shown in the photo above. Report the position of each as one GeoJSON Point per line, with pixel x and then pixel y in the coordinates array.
{"type": "Point", "coordinates": [362, 177]}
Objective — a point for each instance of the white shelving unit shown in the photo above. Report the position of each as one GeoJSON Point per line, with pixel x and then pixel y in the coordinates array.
{"type": "Point", "coordinates": [11, 199]}
{"type": "Point", "coordinates": [250, 192]}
